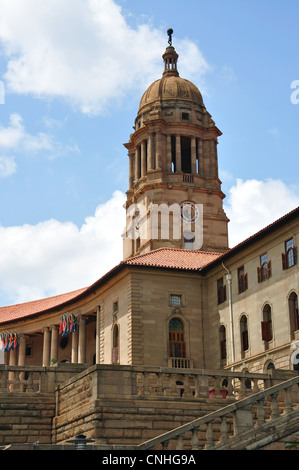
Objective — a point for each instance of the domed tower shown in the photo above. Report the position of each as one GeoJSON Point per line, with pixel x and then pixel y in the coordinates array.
{"type": "Point", "coordinates": [174, 197]}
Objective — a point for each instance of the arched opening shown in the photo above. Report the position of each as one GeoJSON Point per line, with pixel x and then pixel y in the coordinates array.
{"type": "Point", "coordinates": [267, 334]}
{"type": "Point", "coordinates": [244, 333]}
{"type": "Point", "coordinates": [293, 313]}
{"type": "Point", "coordinates": [177, 346]}
{"type": "Point", "coordinates": [222, 338]}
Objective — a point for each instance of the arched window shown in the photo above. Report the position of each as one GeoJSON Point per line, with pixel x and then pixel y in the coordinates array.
{"type": "Point", "coordinates": [222, 338]}
{"type": "Point", "coordinates": [293, 313]}
{"type": "Point", "coordinates": [177, 347]}
{"type": "Point", "coordinates": [267, 323]}
{"type": "Point", "coordinates": [244, 333]}
{"type": "Point", "coordinates": [115, 345]}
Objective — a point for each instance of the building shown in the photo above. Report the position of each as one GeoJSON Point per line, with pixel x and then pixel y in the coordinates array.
{"type": "Point", "coordinates": [181, 298]}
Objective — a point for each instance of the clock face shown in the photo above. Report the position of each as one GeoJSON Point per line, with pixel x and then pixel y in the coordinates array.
{"type": "Point", "coordinates": [189, 212]}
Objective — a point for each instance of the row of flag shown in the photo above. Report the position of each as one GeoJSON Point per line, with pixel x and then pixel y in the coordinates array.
{"type": "Point", "coordinates": [8, 341]}
{"type": "Point", "coordinates": [68, 324]}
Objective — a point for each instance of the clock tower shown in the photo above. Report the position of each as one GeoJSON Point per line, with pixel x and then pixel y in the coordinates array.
{"type": "Point", "coordinates": [174, 197]}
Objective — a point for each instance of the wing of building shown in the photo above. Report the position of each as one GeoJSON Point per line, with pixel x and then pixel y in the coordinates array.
{"type": "Point", "coordinates": [181, 297]}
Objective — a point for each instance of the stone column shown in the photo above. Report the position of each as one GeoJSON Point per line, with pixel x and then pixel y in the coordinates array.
{"type": "Point", "coordinates": [98, 332]}
{"type": "Point", "coordinates": [193, 155]}
{"type": "Point", "coordinates": [82, 340]}
{"type": "Point", "coordinates": [12, 362]}
{"type": "Point", "coordinates": [75, 347]}
{"type": "Point", "coordinates": [158, 154]}
{"type": "Point", "coordinates": [54, 342]}
{"type": "Point", "coordinates": [150, 148]}
{"type": "Point", "coordinates": [22, 350]}
{"type": "Point", "coordinates": [46, 348]}
{"type": "Point", "coordinates": [200, 158]}
{"type": "Point", "coordinates": [143, 158]}
{"type": "Point", "coordinates": [22, 357]}
{"type": "Point", "coordinates": [178, 154]}
{"type": "Point", "coordinates": [137, 163]}
{"type": "Point", "coordinates": [131, 170]}
{"type": "Point", "coordinates": [168, 153]}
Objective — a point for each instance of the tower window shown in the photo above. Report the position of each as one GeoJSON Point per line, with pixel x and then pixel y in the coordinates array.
{"type": "Point", "coordinates": [186, 154]}
{"type": "Point", "coordinates": [185, 116]}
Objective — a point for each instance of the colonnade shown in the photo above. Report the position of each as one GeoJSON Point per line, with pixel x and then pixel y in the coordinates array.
{"type": "Point", "coordinates": [51, 341]}
{"type": "Point", "coordinates": [149, 155]}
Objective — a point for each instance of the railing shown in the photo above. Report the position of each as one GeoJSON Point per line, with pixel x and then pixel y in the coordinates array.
{"type": "Point", "coordinates": [35, 379]}
{"type": "Point", "coordinates": [194, 384]}
{"type": "Point", "coordinates": [247, 415]}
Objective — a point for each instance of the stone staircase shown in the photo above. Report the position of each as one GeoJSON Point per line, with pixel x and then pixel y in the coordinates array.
{"type": "Point", "coordinates": [133, 408]}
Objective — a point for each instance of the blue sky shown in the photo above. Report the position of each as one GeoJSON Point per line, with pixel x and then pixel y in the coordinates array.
{"type": "Point", "coordinates": [73, 73]}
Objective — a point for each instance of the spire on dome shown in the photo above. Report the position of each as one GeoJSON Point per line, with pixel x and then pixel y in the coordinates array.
{"type": "Point", "coordinates": [170, 57]}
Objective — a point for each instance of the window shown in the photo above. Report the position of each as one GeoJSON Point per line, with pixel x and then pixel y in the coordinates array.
{"type": "Point", "coordinates": [242, 280]}
{"type": "Point", "coordinates": [267, 323]}
{"type": "Point", "coordinates": [115, 345]}
{"type": "Point", "coordinates": [293, 313]}
{"type": "Point", "coordinates": [222, 337]}
{"type": "Point", "coordinates": [177, 347]}
{"type": "Point", "coordinates": [289, 257]}
{"type": "Point", "coordinates": [175, 300]}
{"type": "Point", "coordinates": [244, 333]}
{"type": "Point", "coordinates": [185, 116]}
{"type": "Point", "coordinates": [264, 271]}
{"type": "Point", "coordinates": [221, 291]}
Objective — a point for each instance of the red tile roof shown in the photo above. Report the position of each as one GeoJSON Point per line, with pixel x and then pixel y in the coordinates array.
{"type": "Point", "coordinates": [174, 259]}
{"type": "Point", "coordinates": [160, 258]}
{"type": "Point", "coordinates": [18, 311]}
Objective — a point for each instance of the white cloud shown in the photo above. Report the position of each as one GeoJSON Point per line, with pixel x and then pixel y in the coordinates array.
{"type": "Point", "coordinates": [15, 137]}
{"type": "Point", "coordinates": [53, 257]}
{"type": "Point", "coordinates": [8, 166]}
{"type": "Point", "coordinates": [86, 51]}
{"type": "Point", "coordinates": [254, 204]}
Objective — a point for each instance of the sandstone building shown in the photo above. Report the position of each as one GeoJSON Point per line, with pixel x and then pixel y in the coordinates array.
{"type": "Point", "coordinates": [180, 299]}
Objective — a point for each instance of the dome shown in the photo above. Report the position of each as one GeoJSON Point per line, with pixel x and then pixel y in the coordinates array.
{"type": "Point", "coordinates": [171, 86]}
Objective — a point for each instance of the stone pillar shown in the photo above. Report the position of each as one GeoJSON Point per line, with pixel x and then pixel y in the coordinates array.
{"type": "Point", "coordinates": [193, 155]}
{"type": "Point", "coordinates": [158, 154]}
{"type": "Point", "coordinates": [131, 170]}
{"type": "Point", "coordinates": [12, 362]}
{"type": "Point", "coordinates": [74, 347]}
{"type": "Point", "coordinates": [98, 332]}
{"type": "Point", "coordinates": [22, 350]}
{"type": "Point", "coordinates": [82, 340]}
{"type": "Point", "coordinates": [22, 358]}
{"type": "Point", "coordinates": [54, 342]}
{"type": "Point", "coordinates": [200, 158]}
{"type": "Point", "coordinates": [143, 158]}
{"type": "Point", "coordinates": [137, 163]}
{"type": "Point", "coordinates": [178, 154]}
{"type": "Point", "coordinates": [46, 348]}
{"type": "Point", "coordinates": [150, 152]}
